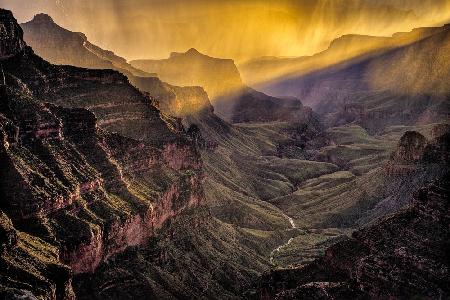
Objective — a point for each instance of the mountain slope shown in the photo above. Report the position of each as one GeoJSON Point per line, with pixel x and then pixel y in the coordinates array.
{"type": "Point", "coordinates": [192, 68]}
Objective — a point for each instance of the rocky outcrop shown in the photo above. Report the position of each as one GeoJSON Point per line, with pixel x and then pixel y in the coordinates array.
{"type": "Point", "coordinates": [414, 151]}
{"type": "Point", "coordinates": [410, 148]}
{"type": "Point", "coordinates": [401, 256]}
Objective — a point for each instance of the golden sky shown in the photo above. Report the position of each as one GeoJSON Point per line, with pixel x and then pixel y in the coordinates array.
{"type": "Point", "coordinates": [238, 29]}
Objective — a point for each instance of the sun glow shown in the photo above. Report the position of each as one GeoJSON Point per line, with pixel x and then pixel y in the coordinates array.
{"type": "Point", "coordinates": [240, 30]}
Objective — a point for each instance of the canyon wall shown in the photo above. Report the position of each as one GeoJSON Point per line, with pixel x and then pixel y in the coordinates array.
{"type": "Point", "coordinates": [90, 167]}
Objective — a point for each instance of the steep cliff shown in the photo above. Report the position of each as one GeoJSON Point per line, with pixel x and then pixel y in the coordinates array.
{"type": "Point", "coordinates": [89, 168]}
{"type": "Point", "coordinates": [10, 36]}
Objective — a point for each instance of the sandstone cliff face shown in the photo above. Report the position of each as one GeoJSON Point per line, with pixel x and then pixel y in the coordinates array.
{"type": "Point", "coordinates": [95, 171]}
{"type": "Point", "coordinates": [401, 257]}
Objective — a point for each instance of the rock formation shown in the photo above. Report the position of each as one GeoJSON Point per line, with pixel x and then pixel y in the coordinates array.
{"type": "Point", "coordinates": [410, 148]}
{"type": "Point", "coordinates": [220, 78]}
{"type": "Point", "coordinates": [11, 35]}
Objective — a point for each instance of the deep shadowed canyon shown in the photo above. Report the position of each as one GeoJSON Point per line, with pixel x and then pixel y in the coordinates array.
{"type": "Point", "coordinates": [200, 177]}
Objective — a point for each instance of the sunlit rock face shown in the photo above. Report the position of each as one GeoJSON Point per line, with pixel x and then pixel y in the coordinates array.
{"type": "Point", "coordinates": [96, 171]}
{"type": "Point", "coordinates": [60, 46]}
{"type": "Point", "coordinates": [220, 78]}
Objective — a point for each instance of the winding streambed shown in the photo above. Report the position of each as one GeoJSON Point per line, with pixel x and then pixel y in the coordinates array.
{"type": "Point", "coordinates": [291, 221]}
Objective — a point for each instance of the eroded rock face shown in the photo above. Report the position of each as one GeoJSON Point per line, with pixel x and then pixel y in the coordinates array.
{"type": "Point", "coordinates": [97, 170]}
{"type": "Point", "coordinates": [414, 151]}
{"type": "Point", "coordinates": [401, 256]}
{"type": "Point", "coordinates": [410, 148]}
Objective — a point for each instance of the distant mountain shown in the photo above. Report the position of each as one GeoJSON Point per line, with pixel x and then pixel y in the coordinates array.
{"type": "Point", "coordinates": [231, 99]}
{"type": "Point", "coordinates": [63, 47]}
{"type": "Point", "coordinates": [192, 68]}
{"type": "Point", "coordinates": [219, 77]}
{"type": "Point", "coordinates": [403, 85]}
{"type": "Point", "coordinates": [260, 72]}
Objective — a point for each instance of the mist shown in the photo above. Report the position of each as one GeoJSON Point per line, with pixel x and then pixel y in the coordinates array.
{"type": "Point", "coordinates": [241, 30]}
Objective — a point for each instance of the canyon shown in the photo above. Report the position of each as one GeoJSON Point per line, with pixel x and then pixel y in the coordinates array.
{"type": "Point", "coordinates": [182, 182]}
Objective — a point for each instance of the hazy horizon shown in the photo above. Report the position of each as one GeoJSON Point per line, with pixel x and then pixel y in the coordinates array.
{"type": "Point", "coordinates": [240, 30]}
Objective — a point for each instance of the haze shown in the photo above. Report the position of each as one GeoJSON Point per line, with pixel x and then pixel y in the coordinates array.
{"type": "Point", "coordinates": [240, 30]}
